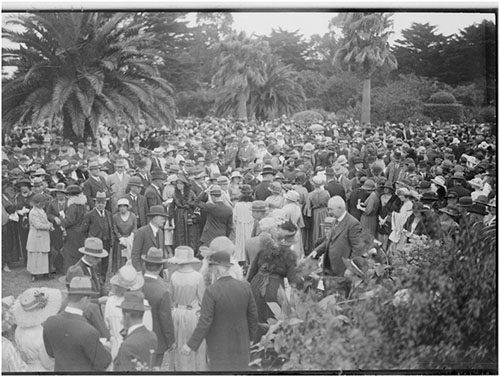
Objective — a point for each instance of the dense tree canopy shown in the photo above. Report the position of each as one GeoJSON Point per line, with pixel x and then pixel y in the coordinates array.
{"type": "Point", "coordinates": [152, 66]}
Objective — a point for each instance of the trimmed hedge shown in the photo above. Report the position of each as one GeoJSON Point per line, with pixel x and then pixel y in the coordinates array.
{"type": "Point", "coordinates": [442, 98]}
{"type": "Point", "coordinates": [444, 112]}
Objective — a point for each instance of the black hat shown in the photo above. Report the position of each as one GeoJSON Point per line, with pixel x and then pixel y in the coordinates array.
{"type": "Point", "coordinates": [73, 190]}
{"type": "Point", "coordinates": [158, 210]}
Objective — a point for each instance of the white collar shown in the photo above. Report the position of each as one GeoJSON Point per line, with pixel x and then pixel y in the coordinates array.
{"type": "Point", "coordinates": [132, 328]}
{"type": "Point", "coordinates": [341, 217]}
{"type": "Point", "coordinates": [71, 310]}
{"type": "Point", "coordinates": [151, 276]}
{"type": "Point", "coordinates": [154, 227]}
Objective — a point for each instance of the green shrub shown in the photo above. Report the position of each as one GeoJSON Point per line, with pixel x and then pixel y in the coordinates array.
{"type": "Point", "coordinates": [442, 98]}
{"type": "Point", "coordinates": [445, 112]}
{"type": "Point", "coordinates": [307, 116]}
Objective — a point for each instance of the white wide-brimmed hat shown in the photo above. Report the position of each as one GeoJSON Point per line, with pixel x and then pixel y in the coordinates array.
{"type": "Point", "coordinates": [35, 305]}
{"type": "Point", "coordinates": [183, 255]}
{"type": "Point", "coordinates": [127, 277]}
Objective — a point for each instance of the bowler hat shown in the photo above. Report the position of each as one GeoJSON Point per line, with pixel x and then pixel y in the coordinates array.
{"type": "Point", "coordinates": [134, 301]}
{"type": "Point", "coordinates": [93, 246]}
{"type": "Point", "coordinates": [369, 185]}
{"type": "Point", "coordinates": [157, 210]}
{"type": "Point", "coordinates": [154, 255]}
{"type": "Point", "coordinates": [81, 285]}
{"type": "Point", "coordinates": [220, 258]}
{"type": "Point", "coordinates": [268, 169]}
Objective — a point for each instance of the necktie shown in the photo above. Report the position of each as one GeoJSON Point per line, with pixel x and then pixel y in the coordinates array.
{"type": "Point", "coordinates": [158, 238]}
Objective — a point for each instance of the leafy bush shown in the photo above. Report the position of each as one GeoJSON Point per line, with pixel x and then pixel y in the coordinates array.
{"type": "Point", "coordinates": [445, 112]}
{"type": "Point", "coordinates": [469, 95]}
{"type": "Point", "coordinates": [307, 116]}
{"type": "Point", "coordinates": [488, 114]}
{"type": "Point", "coordinates": [442, 98]}
{"type": "Point", "coordinates": [402, 99]}
{"type": "Point", "coordinates": [341, 91]}
{"type": "Point", "coordinates": [439, 312]}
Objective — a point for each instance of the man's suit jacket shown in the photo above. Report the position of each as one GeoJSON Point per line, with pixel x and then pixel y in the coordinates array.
{"type": "Point", "coordinates": [228, 322]}
{"type": "Point", "coordinates": [219, 221]}
{"type": "Point", "coordinates": [117, 187]}
{"type": "Point", "coordinates": [153, 196]}
{"type": "Point", "coordinates": [344, 242]}
{"type": "Point", "coordinates": [93, 273]}
{"type": "Point", "coordinates": [140, 208]}
{"type": "Point", "coordinates": [92, 186]}
{"type": "Point", "coordinates": [261, 191]}
{"type": "Point", "coordinates": [74, 344]}
{"type": "Point", "coordinates": [137, 345]}
{"type": "Point", "coordinates": [156, 292]}
{"type": "Point", "coordinates": [144, 239]}
{"type": "Point", "coordinates": [95, 225]}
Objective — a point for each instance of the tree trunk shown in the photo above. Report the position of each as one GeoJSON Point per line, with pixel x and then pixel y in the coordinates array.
{"type": "Point", "coordinates": [365, 104]}
{"type": "Point", "coordinates": [242, 106]}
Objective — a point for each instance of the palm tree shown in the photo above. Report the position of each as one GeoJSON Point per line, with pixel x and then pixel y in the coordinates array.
{"type": "Point", "coordinates": [281, 93]}
{"type": "Point", "coordinates": [83, 68]}
{"type": "Point", "coordinates": [365, 48]}
{"type": "Point", "coordinates": [240, 62]}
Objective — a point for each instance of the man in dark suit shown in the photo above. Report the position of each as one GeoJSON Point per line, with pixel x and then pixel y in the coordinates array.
{"type": "Point", "coordinates": [138, 203]}
{"type": "Point", "coordinates": [99, 223]}
{"type": "Point", "coordinates": [219, 220]}
{"type": "Point", "coordinates": [228, 319]}
{"type": "Point", "coordinates": [156, 292]}
{"type": "Point", "coordinates": [261, 190]}
{"type": "Point", "coordinates": [139, 342]}
{"type": "Point", "coordinates": [150, 235]}
{"type": "Point", "coordinates": [153, 193]}
{"type": "Point", "coordinates": [344, 240]}
{"type": "Point", "coordinates": [333, 186]}
{"type": "Point", "coordinates": [57, 208]}
{"type": "Point", "coordinates": [95, 184]}
{"type": "Point", "coordinates": [70, 339]}
{"type": "Point", "coordinates": [142, 173]}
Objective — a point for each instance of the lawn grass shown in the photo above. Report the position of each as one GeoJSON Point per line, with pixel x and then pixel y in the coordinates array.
{"type": "Point", "coordinates": [16, 282]}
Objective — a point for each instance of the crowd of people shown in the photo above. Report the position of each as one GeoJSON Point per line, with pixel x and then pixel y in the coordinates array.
{"type": "Point", "coordinates": [172, 242]}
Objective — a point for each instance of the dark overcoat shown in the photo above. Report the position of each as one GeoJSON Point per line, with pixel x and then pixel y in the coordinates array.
{"type": "Point", "coordinates": [228, 322]}
{"type": "Point", "coordinates": [137, 345]}
{"type": "Point", "coordinates": [144, 239]}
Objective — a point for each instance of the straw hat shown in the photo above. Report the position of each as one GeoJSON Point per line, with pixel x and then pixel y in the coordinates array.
{"type": "Point", "coordinates": [134, 301]}
{"type": "Point", "coordinates": [476, 182]}
{"type": "Point", "coordinates": [439, 180]}
{"type": "Point", "coordinates": [93, 247]}
{"type": "Point", "coordinates": [127, 277]}
{"type": "Point", "coordinates": [183, 255]}
{"type": "Point", "coordinates": [35, 305]}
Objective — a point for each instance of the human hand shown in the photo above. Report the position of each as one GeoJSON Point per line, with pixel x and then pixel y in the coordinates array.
{"type": "Point", "coordinates": [57, 220]}
{"type": "Point", "coordinates": [313, 254]}
{"type": "Point", "coordinates": [185, 350]}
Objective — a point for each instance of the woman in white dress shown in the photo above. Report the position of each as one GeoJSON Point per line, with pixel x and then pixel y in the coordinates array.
{"type": "Point", "coordinates": [293, 212]}
{"type": "Point", "coordinates": [30, 311]}
{"type": "Point", "coordinates": [38, 243]}
{"type": "Point", "coordinates": [187, 290]}
{"type": "Point", "coordinates": [398, 220]}
{"type": "Point", "coordinates": [243, 221]}
{"type": "Point", "coordinates": [126, 279]}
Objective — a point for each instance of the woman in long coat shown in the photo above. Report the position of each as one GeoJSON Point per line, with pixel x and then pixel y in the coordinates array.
{"type": "Point", "coordinates": [38, 244]}
{"type": "Point", "coordinates": [370, 208]}
{"type": "Point", "coordinates": [274, 262]}
{"type": "Point", "coordinates": [243, 221]}
{"type": "Point", "coordinates": [72, 223]}
{"type": "Point", "coordinates": [186, 289]}
{"type": "Point", "coordinates": [186, 231]}
{"type": "Point", "coordinates": [22, 203]}
{"type": "Point", "coordinates": [317, 208]}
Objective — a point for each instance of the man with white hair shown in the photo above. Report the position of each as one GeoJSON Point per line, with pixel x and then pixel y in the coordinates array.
{"type": "Point", "coordinates": [344, 240]}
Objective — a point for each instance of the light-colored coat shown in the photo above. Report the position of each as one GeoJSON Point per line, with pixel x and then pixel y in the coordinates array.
{"type": "Point", "coordinates": [39, 235]}
{"type": "Point", "coordinates": [117, 187]}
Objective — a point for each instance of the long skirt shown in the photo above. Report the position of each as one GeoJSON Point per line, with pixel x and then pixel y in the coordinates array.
{"type": "Point", "coordinates": [185, 321]}
{"type": "Point", "coordinates": [38, 262]}
{"type": "Point", "coordinates": [318, 215]}
{"type": "Point", "coordinates": [184, 233]}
